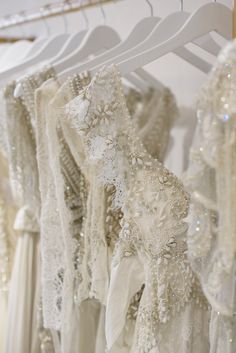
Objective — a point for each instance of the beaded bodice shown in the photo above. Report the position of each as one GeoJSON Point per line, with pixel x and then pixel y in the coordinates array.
{"type": "Point", "coordinates": [149, 117]}
{"type": "Point", "coordinates": [20, 131]}
{"type": "Point", "coordinates": [153, 201]}
{"type": "Point", "coordinates": [115, 147]}
{"type": "Point", "coordinates": [73, 181]}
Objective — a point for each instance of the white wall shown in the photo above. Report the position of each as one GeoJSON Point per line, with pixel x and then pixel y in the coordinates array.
{"type": "Point", "coordinates": [182, 78]}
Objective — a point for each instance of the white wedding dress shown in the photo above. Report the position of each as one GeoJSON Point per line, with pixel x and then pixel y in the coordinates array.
{"type": "Point", "coordinates": [8, 236]}
{"type": "Point", "coordinates": [211, 180]}
{"type": "Point", "coordinates": [151, 247]}
{"type": "Point", "coordinates": [24, 291]}
{"type": "Point", "coordinates": [61, 156]}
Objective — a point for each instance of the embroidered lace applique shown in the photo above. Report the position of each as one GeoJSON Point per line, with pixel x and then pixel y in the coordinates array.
{"type": "Point", "coordinates": [152, 199]}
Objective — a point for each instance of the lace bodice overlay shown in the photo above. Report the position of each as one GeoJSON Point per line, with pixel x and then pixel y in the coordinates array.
{"type": "Point", "coordinates": [152, 199]}
{"type": "Point", "coordinates": [63, 193]}
{"type": "Point", "coordinates": [103, 222]}
{"type": "Point", "coordinates": [211, 180]}
{"type": "Point", "coordinates": [70, 181]}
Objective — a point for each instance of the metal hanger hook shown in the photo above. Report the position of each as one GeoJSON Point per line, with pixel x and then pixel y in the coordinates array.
{"type": "Point", "coordinates": [150, 5]}
{"type": "Point", "coordinates": [84, 15]}
{"type": "Point", "coordinates": [42, 10]}
{"type": "Point", "coordinates": [65, 5]}
{"type": "Point", "coordinates": [103, 12]}
{"type": "Point", "coordinates": [181, 5]}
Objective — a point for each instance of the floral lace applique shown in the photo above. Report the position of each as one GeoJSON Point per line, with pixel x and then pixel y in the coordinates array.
{"type": "Point", "coordinates": [152, 199]}
{"type": "Point", "coordinates": [64, 193]}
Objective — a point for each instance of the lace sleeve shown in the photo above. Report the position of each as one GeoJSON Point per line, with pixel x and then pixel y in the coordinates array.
{"type": "Point", "coordinates": [95, 115]}
{"type": "Point", "coordinates": [51, 234]}
{"type": "Point", "coordinates": [64, 193]}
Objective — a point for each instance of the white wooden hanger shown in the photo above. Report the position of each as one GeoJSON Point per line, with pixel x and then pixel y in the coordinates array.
{"type": "Point", "coordinates": [37, 45]}
{"type": "Point", "coordinates": [52, 46]}
{"type": "Point", "coordinates": [164, 30]}
{"type": "Point", "coordinates": [71, 44]}
{"type": "Point", "coordinates": [3, 49]}
{"type": "Point", "coordinates": [49, 49]}
{"type": "Point", "coordinates": [14, 54]}
{"type": "Point", "coordinates": [139, 33]}
{"type": "Point", "coordinates": [95, 40]}
{"type": "Point", "coordinates": [73, 41]}
{"type": "Point", "coordinates": [206, 42]}
{"type": "Point", "coordinates": [208, 18]}
{"type": "Point", "coordinates": [40, 41]}
{"type": "Point", "coordinates": [98, 39]}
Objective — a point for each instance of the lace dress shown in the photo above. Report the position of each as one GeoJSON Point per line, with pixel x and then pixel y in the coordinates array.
{"type": "Point", "coordinates": [151, 247]}
{"type": "Point", "coordinates": [24, 287]}
{"type": "Point", "coordinates": [7, 235]}
{"type": "Point", "coordinates": [7, 244]}
{"type": "Point", "coordinates": [71, 186]}
{"type": "Point", "coordinates": [211, 180]}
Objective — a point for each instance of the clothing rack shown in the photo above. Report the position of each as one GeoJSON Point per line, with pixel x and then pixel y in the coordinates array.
{"type": "Point", "coordinates": [48, 11]}
{"type": "Point", "coordinates": [15, 39]}
{"type": "Point", "coordinates": [58, 9]}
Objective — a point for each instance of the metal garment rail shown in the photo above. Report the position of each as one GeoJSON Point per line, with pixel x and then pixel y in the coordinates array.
{"type": "Point", "coordinates": [49, 11]}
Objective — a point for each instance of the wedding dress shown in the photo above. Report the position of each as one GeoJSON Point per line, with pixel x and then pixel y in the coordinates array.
{"type": "Point", "coordinates": [7, 204]}
{"type": "Point", "coordinates": [24, 293]}
{"type": "Point", "coordinates": [7, 243]}
{"type": "Point", "coordinates": [211, 180]}
{"type": "Point", "coordinates": [151, 248]}
{"type": "Point", "coordinates": [68, 177]}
